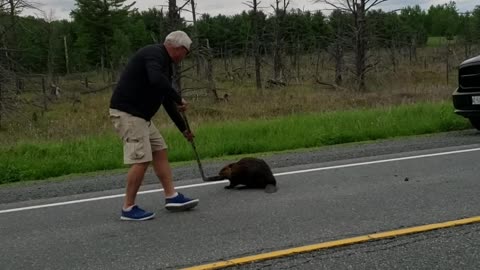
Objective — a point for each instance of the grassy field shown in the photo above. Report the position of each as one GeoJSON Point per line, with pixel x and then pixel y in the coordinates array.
{"type": "Point", "coordinates": [27, 161]}
{"type": "Point", "coordinates": [436, 41]}
{"type": "Point", "coordinates": [75, 135]}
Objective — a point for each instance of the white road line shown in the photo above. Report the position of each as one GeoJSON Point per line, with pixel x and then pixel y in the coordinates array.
{"type": "Point", "coordinates": [226, 181]}
{"type": "Point", "coordinates": [102, 198]}
{"type": "Point", "coordinates": [380, 161]}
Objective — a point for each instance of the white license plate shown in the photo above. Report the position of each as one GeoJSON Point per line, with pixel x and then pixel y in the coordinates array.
{"type": "Point", "coordinates": [475, 100]}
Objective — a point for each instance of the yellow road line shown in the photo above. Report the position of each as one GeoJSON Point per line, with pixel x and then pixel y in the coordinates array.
{"type": "Point", "coordinates": [336, 243]}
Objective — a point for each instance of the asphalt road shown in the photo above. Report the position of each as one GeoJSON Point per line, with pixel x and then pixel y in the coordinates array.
{"type": "Point", "coordinates": [356, 190]}
{"type": "Point", "coordinates": [446, 249]}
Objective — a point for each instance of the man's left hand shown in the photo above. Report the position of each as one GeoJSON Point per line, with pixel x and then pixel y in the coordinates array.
{"type": "Point", "coordinates": [188, 135]}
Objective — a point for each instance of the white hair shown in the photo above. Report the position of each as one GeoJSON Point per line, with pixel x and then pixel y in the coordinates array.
{"type": "Point", "coordinates": [178, 39]}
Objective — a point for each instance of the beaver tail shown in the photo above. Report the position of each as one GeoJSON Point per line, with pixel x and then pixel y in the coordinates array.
{"type": "Point", "coordinates": [270, 188]}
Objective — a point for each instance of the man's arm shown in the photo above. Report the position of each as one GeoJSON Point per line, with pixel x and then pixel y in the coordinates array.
{"type": "Point", "coordinates": [158, 79]}
{"type": "Point", "coordinates": [172, 111]}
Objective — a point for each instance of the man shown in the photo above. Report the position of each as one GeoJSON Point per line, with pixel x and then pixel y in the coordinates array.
{"type": "Point", "coordinates": [144, 86]}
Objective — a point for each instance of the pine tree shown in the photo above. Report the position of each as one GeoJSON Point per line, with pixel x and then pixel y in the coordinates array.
{"type": "Point", "coordinates": [97, 21]}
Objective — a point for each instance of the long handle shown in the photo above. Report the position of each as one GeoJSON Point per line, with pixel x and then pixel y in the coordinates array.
{"type": "Point", "coordinates": [194, 148]}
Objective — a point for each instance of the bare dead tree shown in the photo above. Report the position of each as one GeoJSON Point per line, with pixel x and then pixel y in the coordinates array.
{"type": "Point", "coordinates": [13, 21]}
{"type": "Point", "coordinates": [393, 54]}
{"type": "Point", "coordinates": [297, 60]}
{"type": "Point", "coordinates": [338, 40]}
{"type": "Point", "coordinates": [3, 71]}
{"type": "Point", "coordinates": [9, 32]}
{"type": "Point", "coordinates": [393, 43]}
{"type": "Point", "coordinates": [51, 34]}
{"type": "Point", "coordinates": [254, 4]}
{"type": "Point", "coordinates": [467, 37]}
{"type": "Point", "coordinates": [174, 22]}
{"type": "Point", "coordinates": [337, 52]}
{"type": "Point", "coordinates": [225, 57]}
{"type": "Point", "coordinates": [67, 59]}
{"type": "Point", "coordinates": [280, 13]}
{"type": "Point", "coordinates": [8, 96]}
{"type": "Point", "coordinates": [195, 36]}
{"type": "Point", "coordinates": [448, 51]}
{"type": "Point", "coordinates": [8, 53]}
{"type": "Point", "coordinates": [412, 49]}
{"type": "Point", "coordinates": [358, 9]}
{"type": "Point", "coordinates": [1, 104]}
{"type": "Point", "coordinates": [211, 82]}
{"type": "Point", "coordinates": [201, 53]}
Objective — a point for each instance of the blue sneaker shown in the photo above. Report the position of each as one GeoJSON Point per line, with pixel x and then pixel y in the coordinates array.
{"type": "Point", "coordinates": [136, 213]}
{"type": "Point", "coordinates": [180, 203]}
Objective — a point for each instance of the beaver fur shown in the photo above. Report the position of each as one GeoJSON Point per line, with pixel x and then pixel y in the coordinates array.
{"type": "Point", "coordinates": [249, 172]}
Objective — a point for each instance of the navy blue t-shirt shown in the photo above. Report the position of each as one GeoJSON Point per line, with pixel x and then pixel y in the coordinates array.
{"type": "Point", "coordinates": [145, 84]}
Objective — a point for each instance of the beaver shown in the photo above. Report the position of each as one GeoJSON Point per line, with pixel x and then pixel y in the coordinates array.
{"type": "Point", "coordinates": [250, 172]}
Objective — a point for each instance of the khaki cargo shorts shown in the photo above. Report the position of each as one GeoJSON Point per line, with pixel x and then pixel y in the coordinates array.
{"type": "Point", "coordinates": [140, 138]}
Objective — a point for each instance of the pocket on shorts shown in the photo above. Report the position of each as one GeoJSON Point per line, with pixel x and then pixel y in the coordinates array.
{"type": "Point", "coordinates": [135, 148]}
{"type": "Point", "coordinates": [115, 121]}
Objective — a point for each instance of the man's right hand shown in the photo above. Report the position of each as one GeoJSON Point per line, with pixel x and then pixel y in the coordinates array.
{"type": "Point", "coordinates": [183, 106]}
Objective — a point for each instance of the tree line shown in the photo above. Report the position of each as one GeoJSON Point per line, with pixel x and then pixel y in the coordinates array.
{"type": "Point", "coordinates": [103, 33]}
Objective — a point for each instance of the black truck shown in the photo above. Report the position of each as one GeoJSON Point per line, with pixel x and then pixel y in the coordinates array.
{"type": "Point", "coordinates": [466, 98]}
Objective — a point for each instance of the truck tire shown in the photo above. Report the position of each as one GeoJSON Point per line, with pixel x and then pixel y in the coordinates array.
{"type": "Point", "coordinates": [475, 122]}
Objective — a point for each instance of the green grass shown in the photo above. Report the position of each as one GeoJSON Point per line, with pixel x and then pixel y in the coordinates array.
{"type": "Point", "coordinates": [435, 42]}
{"type": "Point", "coordinates": [34, 161]}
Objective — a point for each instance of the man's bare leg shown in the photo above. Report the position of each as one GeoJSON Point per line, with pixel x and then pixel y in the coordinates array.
{"type": "Point", "coordinates": [135, 177]}
{"type": "Point", "coordinates": [174, 201]}
{"type": "Point", "coordinates": [163, 171]}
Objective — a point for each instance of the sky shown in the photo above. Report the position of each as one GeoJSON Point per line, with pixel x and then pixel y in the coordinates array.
{"type": "Point", "coordinates": [60, 9]}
